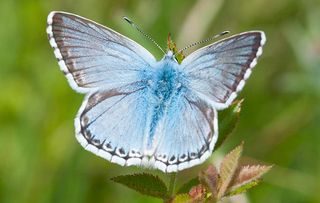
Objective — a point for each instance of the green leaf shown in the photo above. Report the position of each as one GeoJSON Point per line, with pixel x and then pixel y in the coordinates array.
{"type": "Point", "coordinates": [228, 120]}
{"type": "Point", "coordinates": [185, 188]}
{"type": "Point", "coordinates": [144, 183]}
{"type": "Point", "coordinates": [243, 188]}
{"type": "Point", "coordinates": [182, 198]}
{"type": "Point", "coordinates": [228, 168]}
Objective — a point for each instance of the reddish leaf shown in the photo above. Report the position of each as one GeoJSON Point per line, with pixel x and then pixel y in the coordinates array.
{"type": "Point", "coordinates": [210, 177]}
{"type": "Point", "coordinates": [228, 168]}
{"type": "Point", "coordinates": [249, 173]}
{"type": "Point", "coordinates": [197, 193]}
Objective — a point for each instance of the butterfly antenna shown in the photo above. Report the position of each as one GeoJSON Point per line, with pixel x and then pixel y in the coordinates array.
{"type": "Point", "coordinates": [203, 41]}
{"type": "Point", "coordinates": [142, 32]}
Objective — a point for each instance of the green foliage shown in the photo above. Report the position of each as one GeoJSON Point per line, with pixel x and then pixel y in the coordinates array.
{"type": "Point", "coordinates": [235, 190]}
{"type": "Point", "coordinates": [228, 120]}
{"type": "Point", "coordinates": [182, 198]}
{"type": "Point", "coordinates": [144, 183]}
{"type": "Point", "coordinates": [210, 185]}
{"type": "Point", "coordinates": [186, 186]}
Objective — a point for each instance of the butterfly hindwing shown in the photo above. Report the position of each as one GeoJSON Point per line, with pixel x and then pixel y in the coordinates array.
{"type": "Point", "coordinates": [93, 56]}
{"type": "Point", "coordinates": [188, 134]}
{"type": "Point", "coordinates": [112, 124]}
{"type": "Point", "coordinates": [218, 71]}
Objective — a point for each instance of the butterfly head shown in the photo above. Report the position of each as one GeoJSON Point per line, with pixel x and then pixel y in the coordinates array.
{"type": "Point", "coordinates": [170, 56]}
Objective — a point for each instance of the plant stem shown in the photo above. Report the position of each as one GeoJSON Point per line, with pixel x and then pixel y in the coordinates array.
{"type": "Point", "coordinates": [172, 184]}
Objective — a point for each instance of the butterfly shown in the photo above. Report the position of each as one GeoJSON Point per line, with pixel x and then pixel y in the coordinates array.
{"type": "Point", "coordinates": [140, 111]}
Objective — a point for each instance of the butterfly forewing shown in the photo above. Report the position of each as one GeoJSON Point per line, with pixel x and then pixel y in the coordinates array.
{"type": "Point", "coordinates": [218, 71]}
{"type": "Point", "coordinates": [93, 56]}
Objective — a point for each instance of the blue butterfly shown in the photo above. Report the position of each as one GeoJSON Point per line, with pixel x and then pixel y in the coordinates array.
{"type": "Point", "coordinates": [139, 111]}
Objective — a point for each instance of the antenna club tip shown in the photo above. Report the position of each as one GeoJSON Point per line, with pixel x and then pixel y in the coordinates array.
{"type": "Point", "coordinates": [225, 32]}
{"type": "Point", "coordinates": [127, 19]}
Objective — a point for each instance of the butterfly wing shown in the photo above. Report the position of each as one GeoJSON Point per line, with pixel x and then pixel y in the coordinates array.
{"type": "Point", "coordinates": [217, 72]}
{"type": "Point", "coordinates": [187, 134]}
{"type": "Point", "coordinates": [112, 70]}
{"type": "Point", "coordinates": [112, 124]}
{"type": "Point", "coordinates": [214, 75]}
{"type": "Point", "coordinates": [93, 56]}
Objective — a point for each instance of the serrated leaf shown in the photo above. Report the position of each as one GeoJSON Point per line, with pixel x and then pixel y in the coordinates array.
{"type": "Point", "coordinates": [182, 198]}
{"type": "Point", "coordinates": [228, 120]}
{"type": "Point", "coordinates": [247, 174]}
{"type": "Point", "coordinates": [185, 188]}
{"type": "Point", "coordinates": [228, 168]}
{"type": "Point", "coordinates": [243, 188]}
{"type": "Point", "coordinates": [198, 193]}
{"type": "Point", "coordinates": [144, 183]}
{"type": "Point", "coordinates": [211, 179]}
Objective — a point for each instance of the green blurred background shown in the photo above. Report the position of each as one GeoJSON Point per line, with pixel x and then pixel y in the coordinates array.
{"type": "Point", "coordinates": [40, 159]}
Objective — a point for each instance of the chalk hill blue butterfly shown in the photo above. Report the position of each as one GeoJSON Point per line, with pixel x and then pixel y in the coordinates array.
{"type": "Point", "coordinates": [140, 111]}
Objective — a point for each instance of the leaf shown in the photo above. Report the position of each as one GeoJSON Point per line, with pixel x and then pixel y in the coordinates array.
{"type": "Point", "coordinates": [198, 193]}
{"type": "Point", "coordinates": [228, 121]}
{"type": "Point", "coordinates": [247, 177]}
{"type": "Point", "coordinates": [182, 198]}
{"type": "Point", "coordinates": [188, 185]}
{"type": "Point", "coordinates": [243, 188]}
{"type": "Point", "coordinates": [210, 177]}
{"type": "Point", "coordinates": [144, 183]}
{"type": "Point", "coordinates": [228, 168]}
{"type": "Point", "coordinates": [249, 173]}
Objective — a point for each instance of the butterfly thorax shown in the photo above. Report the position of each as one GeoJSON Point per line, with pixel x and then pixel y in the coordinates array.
{"type": "Point", "coordinates": [167, 79]}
